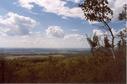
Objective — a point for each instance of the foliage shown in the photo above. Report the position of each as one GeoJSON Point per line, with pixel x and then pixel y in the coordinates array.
{"type": "Point", "coordinates": [100, 68]}
{"type": "Point", "coordinates": [106, 42]}
{"type": "Point", "coordinates": [94, 42]}
{"type": "Point", "coordinates": [96, 10]}
{"type": "Point", "coordinates": [123, 15]}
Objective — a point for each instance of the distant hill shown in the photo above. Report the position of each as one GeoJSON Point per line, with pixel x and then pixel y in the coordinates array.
{"type": "Point", "coordinates": [42, 50]}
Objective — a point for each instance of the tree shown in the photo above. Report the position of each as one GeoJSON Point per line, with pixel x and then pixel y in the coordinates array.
{"type": "Point", "coordinates": [98, 10]}
{"type": "Point", "coordinates": [122, 36]}
{"type": "Point", "coordinates": [106, 42]}
{"type": "Point", "coordinates": [94, 42]}
{"type": "Point", "coordinates": [123, 15]}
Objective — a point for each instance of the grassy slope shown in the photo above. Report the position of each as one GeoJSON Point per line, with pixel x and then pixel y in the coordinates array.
{"type": "Point", "coordinates": [78, 68]}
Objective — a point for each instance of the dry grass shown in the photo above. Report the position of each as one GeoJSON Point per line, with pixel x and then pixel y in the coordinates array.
{"type": "Point", "coordinates": [65, 69]}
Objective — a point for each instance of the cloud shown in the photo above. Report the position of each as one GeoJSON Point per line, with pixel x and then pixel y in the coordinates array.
{"type": "Point", "coordinates": [54, 6]}
{"type": "Point", "coordinates": [74, 37]}
{"type": "Point", "coordinates": [58, 39]}
{"type": "Point", "coordinates": [14, 24]}
{"type": "Point", "coordinates": [26, 3]}
{"type": "Point", "coordinates": [77, 1]}
{"type": "Point", "coordinates": [76, 40]}
{"type": "Point", "coordinates": [98, 32]}
{"type": "Point", "coordinates": [123, 30]}
{"type": "Point", "coordinates": [65, 40]}
{"type": "Point", "coordinates": [40, 42]}
{"type": "Point", "coordinates": [55, 31]}
{"type": "Point", "coordinates": [74, 1]}
{"type": "Point", "coordinates": [117, 7]}
{"type": "Point", "coordinates": [59, 7]}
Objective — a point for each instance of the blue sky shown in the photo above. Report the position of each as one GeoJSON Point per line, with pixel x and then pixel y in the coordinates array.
{"type": "Point", "coordinates": [48, 23]}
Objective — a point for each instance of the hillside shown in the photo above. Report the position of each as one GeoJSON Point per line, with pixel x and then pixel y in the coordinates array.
{"type": "Point", "coordinates": [64, 69]}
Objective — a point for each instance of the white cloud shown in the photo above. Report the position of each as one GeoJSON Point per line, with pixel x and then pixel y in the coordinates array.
{"type": "Point", "coordinates": [114, 31]}
{"type": "Point", "coordinates": [124, 30]}
{"type": "Point", "coordinates": [98, 32]}
{"type": "Point", "coordinates": [54, 6]}
{"type": "Point", "coordinates": [117, 7]}
{"type": "Point", "coordinates": [59, 7]}
{"type": "Point", "coordinates": [55, 31]}
{"type": "Point", "coordinates": [101, 33]}
{"type": "Point", "coordinates": [36, 41]}
{"type": "Point", "coordinates": [76, 40]}
{"type": "Point", "coordinates": [74, 37]}
{"type": "Point", "coordinates": [75, 1]}
{"type": "Point", "coordinates": [93, 22]}
{"type": "Point", "coordinates": [26, 3]}
{"type": "Point", "coordinates": [40, 40]}
{"type": "Point", "coordinates": [14, 24]}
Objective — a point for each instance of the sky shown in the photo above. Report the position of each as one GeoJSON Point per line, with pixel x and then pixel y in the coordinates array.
{"type": "Point", "coordinates": [49, 23]}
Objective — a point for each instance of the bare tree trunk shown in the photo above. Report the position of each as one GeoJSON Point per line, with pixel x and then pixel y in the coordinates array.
{"type": "Point", "coordinates": [112, 46]}
{"type": "Point", "coordinates": [110, 32]}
